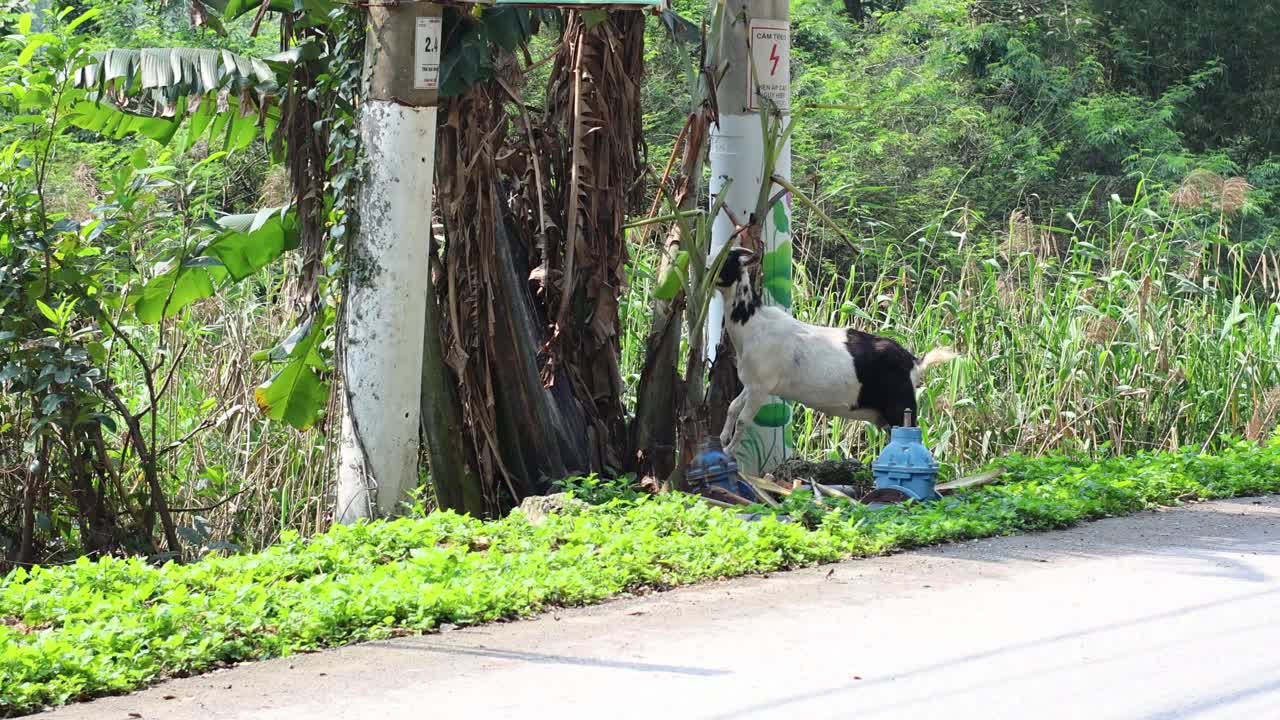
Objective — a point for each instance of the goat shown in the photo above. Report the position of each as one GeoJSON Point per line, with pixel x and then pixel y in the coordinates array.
{"type": "Point", "coordinates": [838, 371]}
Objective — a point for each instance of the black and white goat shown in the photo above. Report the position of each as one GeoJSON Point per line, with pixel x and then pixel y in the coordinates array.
{"type": "Point", "coordinates": [838, 371]}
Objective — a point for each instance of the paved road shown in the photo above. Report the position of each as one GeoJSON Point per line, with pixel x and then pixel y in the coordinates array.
{"type": "Point", "coordinates": [1164, 615]}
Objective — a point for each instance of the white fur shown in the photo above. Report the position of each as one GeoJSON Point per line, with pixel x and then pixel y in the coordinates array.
{"type": "Point", "coordinates": [936, 356]}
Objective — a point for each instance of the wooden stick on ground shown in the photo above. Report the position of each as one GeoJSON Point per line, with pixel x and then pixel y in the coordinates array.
{"type": "Point", "coordinates": [972, 481]}
{"type": "Point", "coordinates": [717, 493]}
{"type": "Point", "coordinates": [829, 491]}
{"type": "Point", "coordinates": [766, 483]}
{"type": "Point", "coordinates": [762, 488]}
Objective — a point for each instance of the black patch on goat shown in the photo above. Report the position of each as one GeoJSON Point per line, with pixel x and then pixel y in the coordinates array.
{"type": "Point", "coordinates": [746, 298]}
{"type": "Point", "coordinates": [731, 269]}
{"type": "Point", "coordinates": [884, 370]}
{"type": "Point", "coordinates": [744, 305]}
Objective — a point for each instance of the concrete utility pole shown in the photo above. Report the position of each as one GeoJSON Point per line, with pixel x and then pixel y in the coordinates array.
{"type": "Point", "coordinates": [754, 32]}
{"type": "Point", "coordinates": [387, 284]}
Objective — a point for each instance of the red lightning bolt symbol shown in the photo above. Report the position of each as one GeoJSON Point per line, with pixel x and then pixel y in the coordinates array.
{"type": "Point", "coordinates": [773, 55]}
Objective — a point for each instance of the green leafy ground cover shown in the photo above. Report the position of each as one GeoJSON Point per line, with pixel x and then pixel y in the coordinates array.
{"type": "Point", "coordinates": [111, 625]}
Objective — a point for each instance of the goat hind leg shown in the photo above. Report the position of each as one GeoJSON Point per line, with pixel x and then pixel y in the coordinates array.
{"type": "Point", "coordinates": [750, 406]}
{"type": "Point", "coordinates": [731, 418]}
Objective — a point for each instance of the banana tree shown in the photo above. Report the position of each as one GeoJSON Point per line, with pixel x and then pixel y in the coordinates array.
{"type": "Point", "coordinates": [528, 289]}
{"type": "Point", "coordinates": [567, 207]}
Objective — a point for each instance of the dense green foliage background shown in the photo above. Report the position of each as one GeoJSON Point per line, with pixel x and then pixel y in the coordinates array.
{"type": "Point", "coordinates": [1080, 196]}
{"type": "Point", "coordinates": [993, 106]}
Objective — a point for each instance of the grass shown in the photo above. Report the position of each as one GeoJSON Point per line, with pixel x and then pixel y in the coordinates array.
{"type": "Point", "coordinates": [1145, 329]}
{"type": "Point", "coordinates": [108, 626]}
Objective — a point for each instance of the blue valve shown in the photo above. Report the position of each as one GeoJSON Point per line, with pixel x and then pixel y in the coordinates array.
{"type": "Point", "coordinates": [906, 465]}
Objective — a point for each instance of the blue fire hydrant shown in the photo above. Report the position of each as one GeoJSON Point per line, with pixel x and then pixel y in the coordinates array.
{"type": "Point", "coordinates": [713, 466]}
{"type": "Point", "coordinates": [906, 465]}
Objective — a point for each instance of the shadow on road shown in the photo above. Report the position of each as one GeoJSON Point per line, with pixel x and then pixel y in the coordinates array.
{"type": "Point", "coordinates": [1217, 702]}
{"type": "Point", "coordinates": [1182, 536]}
{"type": "Point", "coordinates": [544, 659]}
{"type": "Point", "coordinates": [952, 662]}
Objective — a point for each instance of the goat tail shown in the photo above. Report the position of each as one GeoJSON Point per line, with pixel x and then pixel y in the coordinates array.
{"type": "Point", "coordinates": [937, 356]}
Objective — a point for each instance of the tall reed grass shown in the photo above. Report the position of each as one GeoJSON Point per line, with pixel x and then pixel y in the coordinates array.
{"type": "Point", "coordinates": [1144, 329]}
{"type": "Point", "coordinates": [1140, 330]}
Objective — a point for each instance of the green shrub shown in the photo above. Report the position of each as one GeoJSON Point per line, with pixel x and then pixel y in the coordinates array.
{"type": "Point", "coordinates": [111, 625]}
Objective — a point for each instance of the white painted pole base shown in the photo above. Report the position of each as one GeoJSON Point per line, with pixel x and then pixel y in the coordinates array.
{"type": "Point", "coordinates": [737, 151]}
{"type": "Point", "coordinates": [385, 313]}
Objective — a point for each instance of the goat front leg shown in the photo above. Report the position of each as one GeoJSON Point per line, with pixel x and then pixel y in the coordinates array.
{"type": "Point", "coordinates": [731, 418]}
{"type": "Point", "coordinates": [750, 406]}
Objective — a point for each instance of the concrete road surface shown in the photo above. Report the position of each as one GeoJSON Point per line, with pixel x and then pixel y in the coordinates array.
{"type": "Point", "coordinates": [1174, 614]}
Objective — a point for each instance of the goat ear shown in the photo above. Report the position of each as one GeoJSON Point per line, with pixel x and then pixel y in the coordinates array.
{"type": "Point", "coordinates": [748, 258]}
